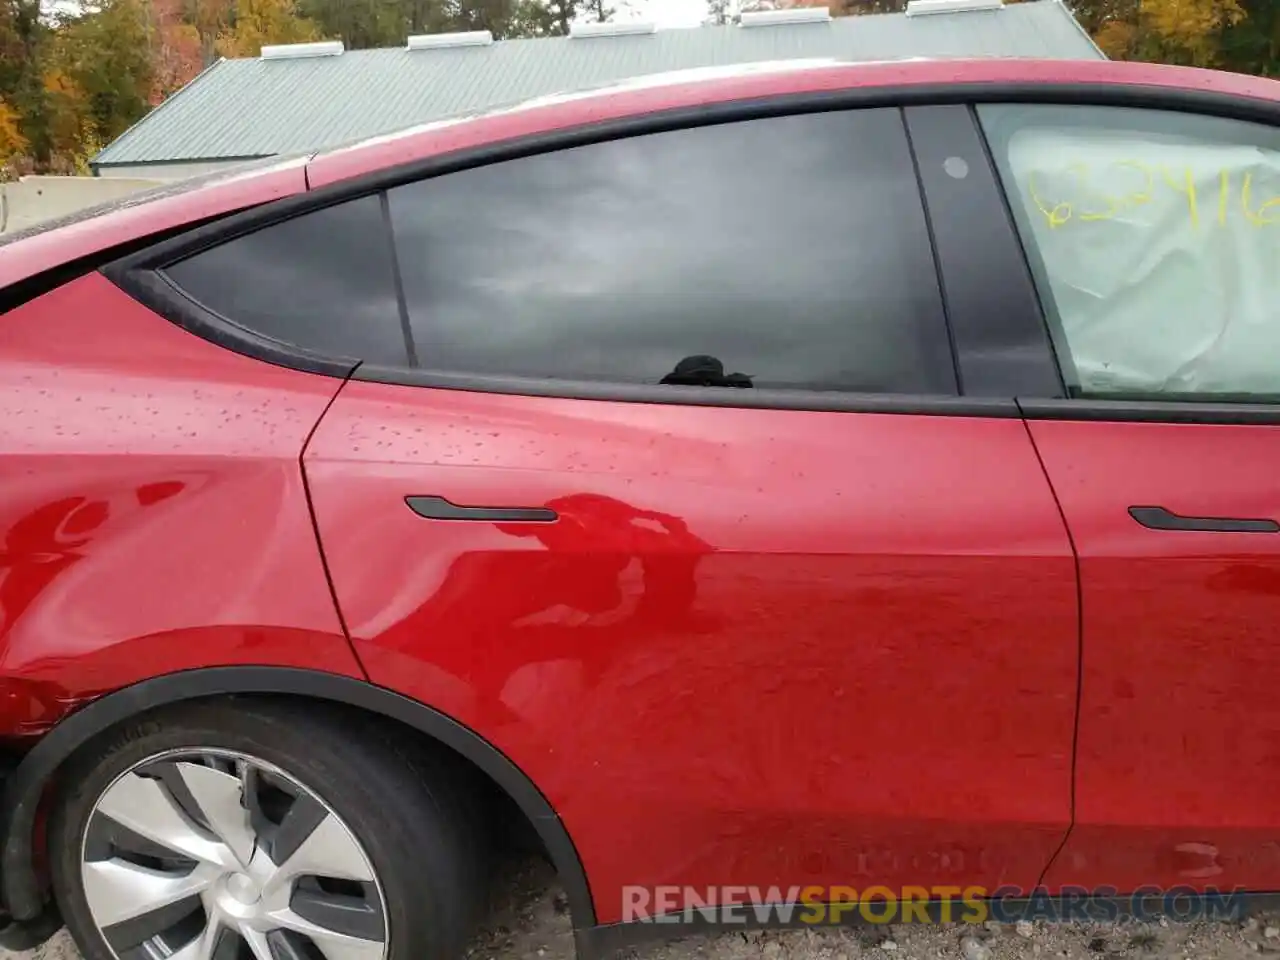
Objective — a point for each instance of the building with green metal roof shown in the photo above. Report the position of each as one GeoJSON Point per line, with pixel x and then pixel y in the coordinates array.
{"type": "Point", "coordinates": [306, 97]}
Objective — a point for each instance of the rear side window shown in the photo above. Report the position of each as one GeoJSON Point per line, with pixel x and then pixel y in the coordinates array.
{"type": "Point", "coordinates": [323, 281]}
{"type": "Point", "coordinates": [788, 253]}
{"type": "Point", "coordinates": [1156, 240]}
{"type": "Point", "coordinates": [783, 253]}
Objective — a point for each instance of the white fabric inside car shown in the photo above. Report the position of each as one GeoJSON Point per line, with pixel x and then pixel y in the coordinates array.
{"type": "Point", "coordinates": [1162, 256]}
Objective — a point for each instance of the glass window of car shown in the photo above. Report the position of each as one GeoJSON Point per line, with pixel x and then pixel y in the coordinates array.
{"type": "Point", "coordinates": [1155, 237]}
{"type": "Point", "coordinates": [323, 281]}
{"type": "Point", "coordinates": [789, 252]}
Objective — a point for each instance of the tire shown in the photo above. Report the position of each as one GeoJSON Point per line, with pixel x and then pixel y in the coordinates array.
{"type": "Point", "coordinates": [285, 773]}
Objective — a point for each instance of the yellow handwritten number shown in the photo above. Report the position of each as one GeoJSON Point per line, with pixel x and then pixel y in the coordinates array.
{"type": "Point", "coordinates": [1188, 188]}
{"type": "Point", "coordinates": [1057, 215]}
{"type": "Point", "coordinates": [1113, 205]}
{"type": "Point", "coordinates": [1257, 217]}
{"type": "Point", "coordinates": [1149, 181]}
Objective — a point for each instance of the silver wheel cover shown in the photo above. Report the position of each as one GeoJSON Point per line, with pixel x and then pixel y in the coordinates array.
{"type": "Point", "coordinates": [217, 855]}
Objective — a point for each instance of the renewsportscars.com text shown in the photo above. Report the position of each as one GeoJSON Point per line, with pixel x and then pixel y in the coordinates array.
{"type": "Point", "coordinates": [836, 905]}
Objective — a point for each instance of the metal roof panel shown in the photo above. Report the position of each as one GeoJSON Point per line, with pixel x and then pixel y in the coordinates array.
{"type": "Point", "coordinates": [253, 107]}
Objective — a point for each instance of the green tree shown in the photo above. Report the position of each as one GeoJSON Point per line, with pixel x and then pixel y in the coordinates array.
{"type": "Point", "coordinates": [386, 23]}
{"type": "Point", "coordinates": [104, 59]}
{"type": "Point", "coordinates": [22, 44]}
{"type": "Point", "coordinates": [361, 24]}
{"type": "Point", "coordinates": [1252, 43]}
{"type": "Point", "coordinates": [550, 18]}
{"type": "Point", "coordinates": [20, 34]}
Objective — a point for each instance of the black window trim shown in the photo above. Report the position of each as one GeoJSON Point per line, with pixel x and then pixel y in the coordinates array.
{"type": "Point", "coordinates": [139, 273]}
{"type": "Point", "coordinates": [1149, 411]}
{"type": "Point", "coordinates": [980, 260]}
{"type": "Point", "coordinates": [154, 290]}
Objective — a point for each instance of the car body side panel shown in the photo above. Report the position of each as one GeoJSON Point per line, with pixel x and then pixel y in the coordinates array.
{"type": "Point", "coordinates": [153, 515]}
{"type": "Point", "coordinates": [1179, 742]}
{"type": "Point", "coordinates": [758, 647]}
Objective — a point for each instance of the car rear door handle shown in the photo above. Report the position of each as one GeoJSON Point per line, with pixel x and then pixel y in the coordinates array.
{"type": "Point", "coordinates": [438, 508]}
{"type": "Point", "coordinates": [1158, 518]}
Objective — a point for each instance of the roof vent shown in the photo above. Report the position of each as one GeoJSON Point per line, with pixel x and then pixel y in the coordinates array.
{"type": "Point", "coordinates": [771, 18]}
{"type": "Point", "coordinates": [295, 51]}
{"type": "Point", "coordinates": [919, 8]}
{"type": "Point", "coordinates": [434, 41]}
{"type": "Point", "coordinates": [624, 29]}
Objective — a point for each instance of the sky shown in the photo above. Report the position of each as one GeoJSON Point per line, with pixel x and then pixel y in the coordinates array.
{"type": "Point", "coordinates": [667, 13]}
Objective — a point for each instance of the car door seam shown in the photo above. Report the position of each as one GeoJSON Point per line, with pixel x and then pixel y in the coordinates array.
{"type": "Point", "coordinates": [315, 522]}
{"type": "Point", "coordinates": [1075, 731]}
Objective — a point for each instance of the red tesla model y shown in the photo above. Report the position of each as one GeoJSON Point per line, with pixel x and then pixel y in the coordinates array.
{"type": "Point", "coordinates": [805, 474]}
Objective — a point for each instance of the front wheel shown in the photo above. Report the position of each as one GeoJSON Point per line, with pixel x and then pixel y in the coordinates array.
{"type": "Point", "coordinates": [245, 830]}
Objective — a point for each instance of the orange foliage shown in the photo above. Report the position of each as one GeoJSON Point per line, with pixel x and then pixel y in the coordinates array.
{"type": "Point", "coordinates": [12, 142]}
{"type": "Point", "coordinates": [1116, 38]}
{"type": "Point", "coordinates": [66, 112]}
{"type": "Point", "coordinates": [1192, 25]}
{"type": "Point", "coordinates": [259, 22]}
{"type": "Point", "coordinates": [175, 48]}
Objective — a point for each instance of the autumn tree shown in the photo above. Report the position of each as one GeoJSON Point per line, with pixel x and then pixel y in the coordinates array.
{"type": "Point", "coordinates": [174, 46]}
{"type": "Point", "coordinates": [1095, 14]}
{"type": "Point", "coordinates": [22, 36]}
{"type": "Point", "coordinates": [256, 23]}
{"type": "Point", "coordinates": [386, 23]}
{"type": "Point", "coordinates": [20, 33]}
{"type": "Point", "coordinates": [1252, 43]}
{"type": "Point", "coordinates": [104, 53]}
{"type": "Point", "coordinates": [360, 24]}
{"type": "Point", "coordinates": [70, 130]}
{"type": "Point", "coordinates": [210, 19]}
{"type": "Point", "coordinates": [12, 142]}
{"type": "Point", "coordinates": [1189, 32]}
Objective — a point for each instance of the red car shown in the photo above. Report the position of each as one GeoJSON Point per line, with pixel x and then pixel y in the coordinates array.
{"type": "Point", "coordinates": [825, 475]}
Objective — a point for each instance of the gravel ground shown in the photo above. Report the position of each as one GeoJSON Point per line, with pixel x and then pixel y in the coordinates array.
{"type": "Point", "coordinates": [529, 922]}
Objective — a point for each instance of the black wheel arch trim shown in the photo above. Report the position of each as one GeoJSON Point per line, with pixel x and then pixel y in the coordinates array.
{"type": "Point", "coordinates": [26, 788]}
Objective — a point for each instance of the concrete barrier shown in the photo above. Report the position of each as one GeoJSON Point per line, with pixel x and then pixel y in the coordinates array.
{"type": "Point", "coordinates": [32, 199]}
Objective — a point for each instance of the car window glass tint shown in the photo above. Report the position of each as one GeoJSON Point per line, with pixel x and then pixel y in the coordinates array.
{"type": "Point", "coordinates": [780, 253]}
{"type": "Point", "coordinates": [322, 281]}
{"type": "Point", "coordinates": [1155, 236]}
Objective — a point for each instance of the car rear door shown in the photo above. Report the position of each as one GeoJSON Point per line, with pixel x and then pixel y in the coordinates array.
{"type": "Point", "coordinates": [1153, 232]}
{"type": "Point", "coordinates": [679, 494]}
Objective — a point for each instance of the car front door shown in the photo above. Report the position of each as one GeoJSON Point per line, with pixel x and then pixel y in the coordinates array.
{"type": "Point", "coordinates": [1154, 235]}
{"type": "Point", "coordinates": [674, 495]}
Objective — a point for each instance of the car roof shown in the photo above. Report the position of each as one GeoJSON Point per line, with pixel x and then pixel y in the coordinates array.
{"type": "Point", "coordinates": [705, 86]}
{"type": "Point", "coordinates": [151, 212]}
